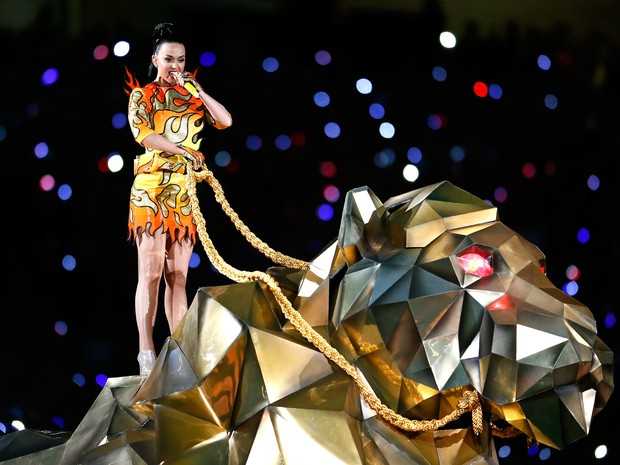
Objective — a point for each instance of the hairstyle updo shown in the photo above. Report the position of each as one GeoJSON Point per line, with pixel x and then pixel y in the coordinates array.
{"type": "Point", "coordinates": [162, 34]}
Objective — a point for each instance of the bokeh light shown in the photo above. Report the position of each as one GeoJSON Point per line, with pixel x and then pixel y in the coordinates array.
{"type": "Point", "coordinates": [503, 452]}
{"type": "Point", "coordinates": [447, 39]}
{"type": "Point", "coordinates": [194, 261]}
{"type": "Point", "coordinates": [283, 142]}
{"type": "Point", "coordinates": [69, 262]}
{"type": "Point", "coordinates": [593, 182]}
{"type": "Point", "coordinates": [363, 86]}
{"type": "Point", "coordinates": [457, 153]}
{"type": "Point", "coordinates": [600, 452]}
{"type": "Point", "coordinates": [411, 173]}
{"type": "Point", "coordinates": [573, 272]}
{"type": "Point", "coordinates": [207, 59]}
{"type": "Point", "coordinates": [61, 328]}
{"type": "Point", "coordinates": [439, 73]}
{"type": "Point", "coordinates": [79, 379]}
{"type": "Point", "coordinates": [119, 120]}
{"type": "Point", "coordinates": [332, 130]}
{"type": "Point", "coordinates": [65, 192]}
{"type": "Point", "coordinates": [18, 425]}
{"type": "Point", "coordinates": [387, 130]}
{"type": "Point", "coordinates": [41, 150]}
{"type": "Point", "coordinates": [47, 182]}
{"type": "Point", "coordinates": [583, 235]}
{"type": "Point", "coordinates": [331, 193]}
{"type": "Point", "coordinates": [435, 121]}
{"type": "Point", "coordinates": [376, 111]}
{"type": "Point", "coordinates": [222, 158]}
{"type": "Point", "coordinates": [328, 169]}
{"type": "Point", "coordinates": [610, 320]}
{"type": "Point", "coordinates": [115, 162]}
{"type": "Point", "coordinates": [121, 48]}
{"type": "Point", "coordinates": [551, 101]}
{"type": "Point", "coordinates": [101, 52]}
{"type": "Point", "coordinates": [384, 158]}
{"type": "Point", "coordinates": [495, 91]}
{"type": "Point", "coordinates": [254, 143]}
{"type": "Point", "coordinates": [500, 194]}
{"type": "Point", "coordinates": [49, 77]}
{"type": "Point", "coordinates": [414, 155]}
{"type": "Point", "coordinates": [543, 62]}
{"type": "Point", "coordinates": [323, 57]}
{"type": "Point", "coordinates": [101, 379]}
{"type": "Point", "coordinates": [481, 89]}
{"type": "Point", "coordinates": [321, 99]}
{"type": "Point", "coordinates": [571, 288]}
{"type": "Point", "coordinates": [528, 170]}
{"type": "Point", "coordinates": [271, 64]}
{"type": "Point", "coordinates": [325, 212]}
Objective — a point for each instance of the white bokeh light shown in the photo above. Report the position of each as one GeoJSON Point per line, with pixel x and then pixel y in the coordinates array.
{"type": "Point", "coordinates": [387, 130]}
{"type": "Point", "coordinates": [115, 163]}
{"type": "Point", "coordinates": [18, 425]}
{"type": "Point", "coordinates": [411, 173]}
{"type": "Point", "coordinates": [363, 86]}
{"type": "Point", "coordinates": [121, 48]}
{"type": "Point", "coordinates": [447, 39]}
{"type": "Point", "coordinates": [600, 451]}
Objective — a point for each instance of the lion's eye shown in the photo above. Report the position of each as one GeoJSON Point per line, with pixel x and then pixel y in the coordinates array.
{"type": "Point", "coordinates": [543, 266]}
{"type": "Point", "coordinates": [476, 261]}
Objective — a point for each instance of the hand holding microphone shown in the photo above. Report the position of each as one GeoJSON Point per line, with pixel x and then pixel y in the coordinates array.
{"type": "Point", "coordinates": [189, 83]}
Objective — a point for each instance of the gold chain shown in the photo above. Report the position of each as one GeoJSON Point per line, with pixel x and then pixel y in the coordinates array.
{"type": "Point", "coordinates": [469, 402]}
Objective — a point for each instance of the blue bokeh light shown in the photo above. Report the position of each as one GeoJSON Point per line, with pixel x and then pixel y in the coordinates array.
{"type": "Point", "coordinates": [376, 111]}
{"type": "Point", "coordinates": [583, 235]}
{"type": "Point", "coordinates": [207, 59]}
{"type": "Point", "coordinates": [49, 77]}
{"type": "Point", "coordinates": [332, 130]}
{"type": "Point", "coordinates": [271, 64]}
{"type": "Point", "coordinates": [79, 379]}
{"type": "Point", "coordinates": [69, 262]}
{"type": "Point", "coordinates": [254, 143]}
{"type": "Point", "coordinates": [439, 73]}
{"type": "Point", "coordinates": [544, 62]}
{"type": "Point", "coordinates": [283, 142]}
{"type": "Point", "coordinates": [325, 212]}
{"type": "Point", "coordinates": [321, 99]}
{"type": "Point", "coordinates": [194, 261]}
{"type": "Point", "coordinates": [65, 192]}
{"type": "Point", "coordinates": [414, 155]}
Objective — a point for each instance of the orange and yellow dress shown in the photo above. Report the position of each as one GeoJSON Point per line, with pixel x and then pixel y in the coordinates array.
{"type": "Point", "coordinates": [159, 196]}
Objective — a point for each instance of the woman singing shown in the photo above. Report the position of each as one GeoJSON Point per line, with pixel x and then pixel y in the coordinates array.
{"type": "Point", "coordinates": [166, 119]}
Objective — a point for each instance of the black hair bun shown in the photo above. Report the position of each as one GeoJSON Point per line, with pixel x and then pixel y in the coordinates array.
{"type": "Point", "coordinates": [163, 32]}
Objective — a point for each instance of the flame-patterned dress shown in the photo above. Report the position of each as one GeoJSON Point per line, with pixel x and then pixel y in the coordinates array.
{"type": "Point", "coordinates": [159, 197]}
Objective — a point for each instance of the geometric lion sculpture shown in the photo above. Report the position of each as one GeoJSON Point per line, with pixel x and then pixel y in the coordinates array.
{"type": "Point", "coordinates": [428, 295]}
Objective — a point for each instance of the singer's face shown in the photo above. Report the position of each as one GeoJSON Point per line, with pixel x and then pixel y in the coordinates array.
{"type": "Point", "coordinates": [170, 61]}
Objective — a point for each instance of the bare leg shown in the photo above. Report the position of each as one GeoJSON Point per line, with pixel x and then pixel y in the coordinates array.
{"type": "Point", "coordinates": [151, 257]}
{"type": "Point", "coordinates": [175, 275]}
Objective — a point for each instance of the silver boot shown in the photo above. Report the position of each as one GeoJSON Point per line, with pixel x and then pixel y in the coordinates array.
{"type": "Point", "coordinates": [146, 359]}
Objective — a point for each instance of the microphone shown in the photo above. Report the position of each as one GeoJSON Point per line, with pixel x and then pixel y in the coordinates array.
{"type": "Point", "coordinates": [191, 89]}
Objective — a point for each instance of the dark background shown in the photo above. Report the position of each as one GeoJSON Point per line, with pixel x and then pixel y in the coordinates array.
{"type": "Point", "coordinates": [276, 192]}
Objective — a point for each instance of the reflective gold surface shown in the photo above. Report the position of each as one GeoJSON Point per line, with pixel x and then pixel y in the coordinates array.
{"type": "Point", "coordinates": [236, 384]}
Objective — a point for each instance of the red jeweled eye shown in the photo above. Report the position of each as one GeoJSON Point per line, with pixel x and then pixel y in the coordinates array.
{"type": "Point", "coordinates": [476, 261]}
{"type": "Point", "coordinates": [543, 266]}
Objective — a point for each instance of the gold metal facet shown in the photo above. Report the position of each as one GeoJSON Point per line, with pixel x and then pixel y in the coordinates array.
{"type": "Point", "coordinates": [242, 382]}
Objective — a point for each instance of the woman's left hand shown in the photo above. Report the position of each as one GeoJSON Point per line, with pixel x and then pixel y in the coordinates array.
{"type": "Point", "coordinates": [184, 77]}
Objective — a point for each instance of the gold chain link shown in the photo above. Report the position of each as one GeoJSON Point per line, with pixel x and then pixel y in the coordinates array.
{"type": "Point", "coordinates": [469, 402]}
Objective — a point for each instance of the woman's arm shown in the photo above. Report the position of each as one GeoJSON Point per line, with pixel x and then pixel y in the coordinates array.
{"type": "Point", "coordinates": [222, 117]}
{"type": "Point", "coordinates": [159, 142]}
